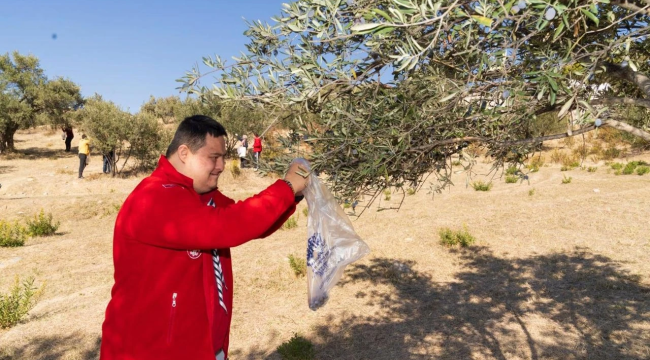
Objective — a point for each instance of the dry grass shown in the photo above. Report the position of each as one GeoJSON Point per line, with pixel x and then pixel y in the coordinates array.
{"type": "Point", "coordinates": [563, 274]}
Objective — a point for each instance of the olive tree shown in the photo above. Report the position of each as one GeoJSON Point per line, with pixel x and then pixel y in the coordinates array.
{"type": "Point", "coordinates": [398, 86]}
{"type": "Point", "coordinates": [28, 97]}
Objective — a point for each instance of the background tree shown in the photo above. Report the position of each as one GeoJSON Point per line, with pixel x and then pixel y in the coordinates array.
{"type": "Point", "coordinates": [398, 86]}
{"type": "Point", "coordinates": [108, 126]}
{"type": "Point", "coordinates": [237, 119]}
{"type": "Point", "coordinates": [28, 98]}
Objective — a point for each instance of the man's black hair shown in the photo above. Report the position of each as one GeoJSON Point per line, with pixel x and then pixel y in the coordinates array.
{"type": "Point", "coordinates": [192, 132]}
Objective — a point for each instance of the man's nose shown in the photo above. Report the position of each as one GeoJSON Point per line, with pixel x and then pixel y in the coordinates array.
{"type": "Point", "coordinates": [220, 165]}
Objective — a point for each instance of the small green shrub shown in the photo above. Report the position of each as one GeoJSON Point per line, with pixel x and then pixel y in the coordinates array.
{"type": "Point", "coordinates": [298, 265]}
{"type": "Point", "coordinates": [629, 168]}
{"type": "Point", "coordinates": [410, 191]}
{"type": "Point", "coordinates": [291, 223]}
{"type": "Point", "coordinates": [42, 225]}
{"type": "Point", "coordinates": [447, 237]}
{"type": "Point", "coordinates": [297, 348]}
{"type": "Point", "coordinates": [611, 153]}
{"type": "Point", "coordinates": [18, 302]}
{"type": "Point", "coordinates": [565, 168]}
{"type": "Point", "coordinates": [456, 163]}
{"type": "Point", "coordinates": [531, 192]}
{"type": "Point", "coordinates": [450, 237]}
{"type": "Point", "coordinates": [511, 179]}
{"type": "Point", "coordinates": [642, 170]}
{"type": "Point", "coordinates": [347, 205]}
{"type": "Point", "coordinates": [511, 170]}
{"type": "Point", "coordinates": [592, 169]}
{"type": "Point", "coordinates": [536, 163]}
{"type": "Point", "coordinates": [387, 194]}
{"type": "Point", "coordinates": [567, 180]}
{"type": "Point", "coordinates": [617, 166]}
{"type": "Point", "coordinates": [12, 235]}
{"type": "Point", "coordinates": [482, 186]}
{"type": "Point", "coordinates": [305, 211]}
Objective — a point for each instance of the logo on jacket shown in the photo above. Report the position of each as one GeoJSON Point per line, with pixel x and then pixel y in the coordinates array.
{"type": "Point", "coordinates": [194, 254]}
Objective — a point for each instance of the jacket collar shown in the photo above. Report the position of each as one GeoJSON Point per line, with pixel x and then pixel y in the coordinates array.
{"type": "Point", "coordinates": [168, 172]}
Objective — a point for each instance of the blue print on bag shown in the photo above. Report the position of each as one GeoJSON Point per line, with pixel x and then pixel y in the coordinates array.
{"type": "Point", "coordinates": [319, 264]}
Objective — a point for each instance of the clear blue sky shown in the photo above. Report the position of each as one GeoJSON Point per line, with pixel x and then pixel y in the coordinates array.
{"type": "Point", "coordinates": [127, 50]}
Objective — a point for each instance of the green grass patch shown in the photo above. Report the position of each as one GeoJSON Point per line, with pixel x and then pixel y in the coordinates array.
{"type": "Point", "coordinates": [297, 348]}
{"type": "Point", "coordinates": [511, 170]}
{"type": "Point", "coordinates": [629, 168]}
{"type": "Point", "coordinates": [449, 237]}
{"type": "Point", "coordinates": [482, 186]}
{"type": "Point", "coordinates": [298, 265]}
{"type": "Point", "coordinates": [291, 223]}
{"type": "Point", "coordinates": [566, 180]}
{"type": "Point", "coordinates": [511, 179]}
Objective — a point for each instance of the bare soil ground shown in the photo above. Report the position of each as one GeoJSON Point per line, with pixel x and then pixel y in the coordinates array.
{"type": "Point", "coordinates": [563, 273]}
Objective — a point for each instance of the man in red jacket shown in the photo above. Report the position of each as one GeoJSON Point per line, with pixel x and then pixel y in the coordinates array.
{"type": "Point", "coordinates": [172, 297]}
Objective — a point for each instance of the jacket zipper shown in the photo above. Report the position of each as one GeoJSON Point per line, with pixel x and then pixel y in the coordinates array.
{"type": "Point", "coordinates": [172, 315]}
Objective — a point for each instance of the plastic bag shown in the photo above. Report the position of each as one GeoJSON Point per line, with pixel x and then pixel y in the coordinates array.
{"type": "Point", "coordinates": [332, 243]}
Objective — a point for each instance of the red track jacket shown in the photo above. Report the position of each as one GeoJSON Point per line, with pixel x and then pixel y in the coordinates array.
{"type": "Point", "coordinates": [257, 144]}
{"type": "Point", "coordinates": [164, 303]}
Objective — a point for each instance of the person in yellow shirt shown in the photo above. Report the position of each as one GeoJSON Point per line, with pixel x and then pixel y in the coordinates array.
{"type": "Point", "coordinates": [84, 153]}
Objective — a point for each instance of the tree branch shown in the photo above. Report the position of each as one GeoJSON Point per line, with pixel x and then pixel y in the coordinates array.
{"type": "Point", "coordinates": [621, 100]}
{"type": "Point", "coordinates": [626, 73]}
{"type": "Point", "coordinates": [625, 4]}
{"type": "Point", "coordinates": [627, 128]}
{"type": "Point", "coordinates": [610, 123]}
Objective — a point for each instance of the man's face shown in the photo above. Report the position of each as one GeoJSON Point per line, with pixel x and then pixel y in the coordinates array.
{"type": "Point", "coordinates": [206, 164]}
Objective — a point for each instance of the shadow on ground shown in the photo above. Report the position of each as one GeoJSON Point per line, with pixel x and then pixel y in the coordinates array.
{"type": "Point", "coordinates": [74, 346]}
{"type": "Point", "coordinates": [46, 153]}
{"type": "Point", "coordinates": [578, 305]}
{"type": "Point", "coordinates": [7, 169]}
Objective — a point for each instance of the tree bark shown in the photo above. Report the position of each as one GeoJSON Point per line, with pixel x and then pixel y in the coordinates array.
{"type": "Point", "coordinates": [621, 100]}
{"type": "Point", "coordinates": [626, 73]}
{"type": "Point", "coordinates": [7, 139]}
{"type": "Point", "coordinates": [627, 128]}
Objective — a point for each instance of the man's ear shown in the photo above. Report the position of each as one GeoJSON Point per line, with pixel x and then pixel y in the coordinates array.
{"type": "Point", "coordinates": [183, 153]}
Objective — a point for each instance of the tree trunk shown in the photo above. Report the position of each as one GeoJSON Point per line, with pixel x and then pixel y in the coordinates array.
{"type": "Point", "coordinates": [7, 139]}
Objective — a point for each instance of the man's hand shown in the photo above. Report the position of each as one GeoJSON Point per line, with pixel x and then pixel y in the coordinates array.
{"type": "Point", "coordinates": [297, 175]}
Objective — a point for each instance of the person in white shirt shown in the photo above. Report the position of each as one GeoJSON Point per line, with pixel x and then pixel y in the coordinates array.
{"type": "Point", "coordinates": [241, 152]}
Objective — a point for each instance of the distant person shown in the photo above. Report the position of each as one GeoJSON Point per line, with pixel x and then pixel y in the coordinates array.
{"type": "Point", "coordinates": [108, 161]}
{"type": "Point", "coordinates": [67, 136]}
{"type": "Point", "coordinates": [241, 152]}
{"type": "Point", "coordinates": [173, 291]}
{"type": "Point", "coordinates": [244, 141]}
{"type": "Point", "coordinates": [257, 150]}
{"type": "Point", "coordinates": [84, 153]}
